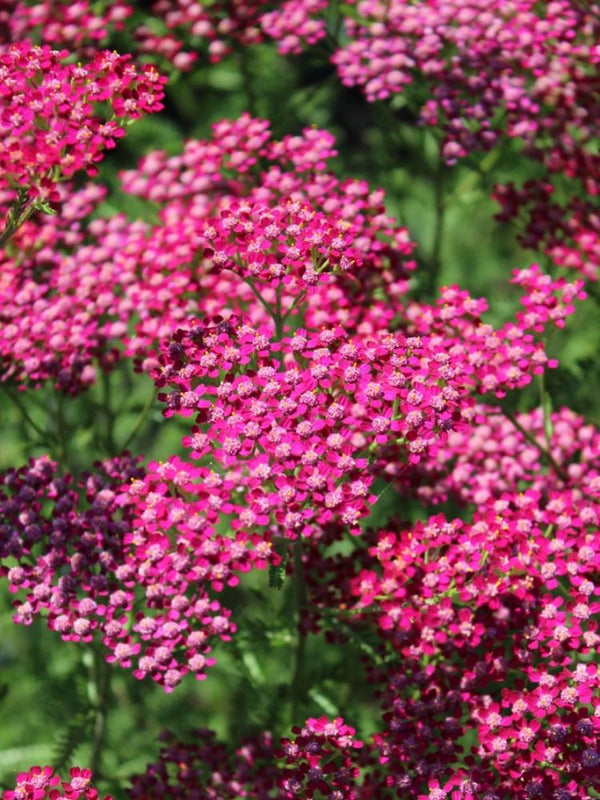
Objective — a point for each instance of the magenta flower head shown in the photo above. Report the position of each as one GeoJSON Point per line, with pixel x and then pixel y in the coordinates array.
{"type": "Point", "coordinates": [40, 783]}
{"type": "Point", "coordinates": [297, 423]}
{"type": "Point", "coordinates": [49, 128]}
{"type": "Point", "coordinates": [321, 760]}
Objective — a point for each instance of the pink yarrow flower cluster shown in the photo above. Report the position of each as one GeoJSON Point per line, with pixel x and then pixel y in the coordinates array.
{"type": "Point", "coordinates": [216, 26]}
{"type": "Point", "coordinates": [85, 568]}
{"type": "Point", "coordinates": [217, 176]}
{"type": "Point", "coordinates": [48, 126]}
{"type": "Point", "coordinates": [494, 455]}
{"type": "Point", "coordinates": [290, 243]}
{"type": "Point", "coordinates": [180, 561]}
{"type": "Point", "coordinates": [303, 416]}
{"type": "Point", "coordinates": [480, 62]}
{"type": "Point", "coordinates": [496, 360]}
{"type": "Point", "coordinates": [221, 26]}
{"type": "Point", "coordinates": [42, 783]}
{"type": "Point", "coordinates": [74, 290]}
{"type": "Point", "coordinates": [63, 294]}
{"type": "Point", "coordinates": [81, 27]}
{"type": "Point", "coordinates": [294, 24]}
{"type": "Point", "coordinates": [494, 71]}
{"type": "Point", "coordinates": [487, 629]}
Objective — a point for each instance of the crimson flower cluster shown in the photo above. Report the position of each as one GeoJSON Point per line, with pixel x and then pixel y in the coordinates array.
{"type": "Point", "coordinates": [568, 233]}
{"type": "Point", "coordinates": [319, 760]}
{"type": "Point", "coordinates": [487, 634]}
{"type": "Point", "coordinates": [204, 764]}
{"type": "Point", "coordinates": [488, 629]}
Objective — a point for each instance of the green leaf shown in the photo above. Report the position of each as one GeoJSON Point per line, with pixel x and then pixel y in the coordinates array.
{"type": "Point", "coordinates": [44, 205]}
{"type": "Point", "coordinates": [324, 703]}
{"type": "Point", "coordinates": [547, 409]}
{"type": "Point", "coordinates": [253, 667]}
{"type": "Point", "coordinates": [276, 576]}
{"type": "Point", "coordinates": [69, 740]}
{"type": "Point", "coordinates": [277, 572]}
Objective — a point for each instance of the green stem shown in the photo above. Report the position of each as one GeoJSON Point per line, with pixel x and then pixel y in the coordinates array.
{"type": "Point", "coordinates": [100, 689]}
{"type": "Point", "coordinates": [543, 450]}
{"type": "Point", "coordinates": [14, 397]}
{"type": "Point", "coordinates": [297, 683]}
{"type": "Point", "coordinates": [17, 216]}
{"type": "Point", "coordinates": [546, 403]}
{"type": "Point", "coordinates": [259, 297]}
{"type": "Point", "coordinates": [244, 63]}
{"type": "Point", "coordinates": [108, 413]}
{"type": "Point", "coordinates": [565, 591]}
{"type": "Point", "coordinates": [278, 316]}
{"type": "Point", "coordinates": [61, 432]}
{"type": "Point", "coordinates": [143, 415]}
{"type": "Point", "coordinates": [438, 231]}
{"type": "Point", "coordinates": [294, 306]}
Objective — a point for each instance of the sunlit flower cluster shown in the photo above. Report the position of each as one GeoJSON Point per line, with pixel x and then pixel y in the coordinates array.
{"type": "Point", "coordinates": [48, 125]}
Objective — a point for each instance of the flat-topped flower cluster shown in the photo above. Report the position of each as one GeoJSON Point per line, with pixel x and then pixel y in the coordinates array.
{"type": "Point", "coordinates": [48, 125]}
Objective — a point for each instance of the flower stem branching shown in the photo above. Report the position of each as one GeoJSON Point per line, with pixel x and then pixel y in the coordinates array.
{"type": "Point", "coordinates": [544, 451]}
{"type": "Point", "coordinates": [15, 398]}
{"type": "Point", "coordinates": [141, 419]}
